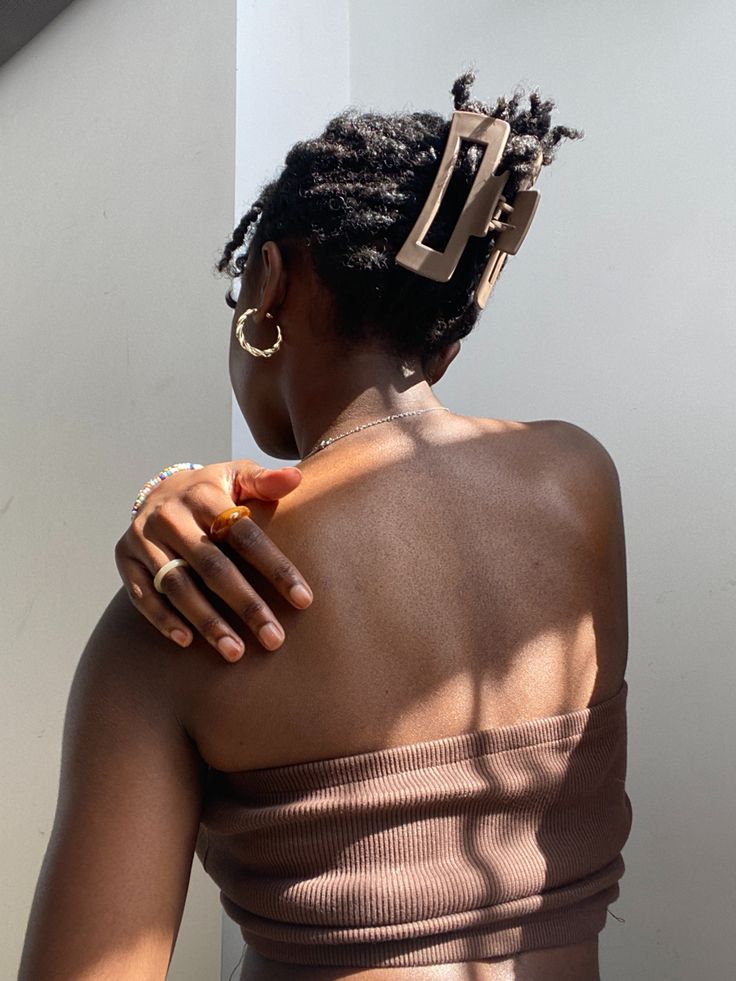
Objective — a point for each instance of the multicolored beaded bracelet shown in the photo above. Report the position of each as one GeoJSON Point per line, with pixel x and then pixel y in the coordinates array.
{"type": "Point", "coordinates": [155, 481]}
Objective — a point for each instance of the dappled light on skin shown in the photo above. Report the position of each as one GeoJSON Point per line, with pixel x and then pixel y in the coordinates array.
{"type": "Point", "coordinates": [489, 616]}
{"type": "Point", "coordinates": [529, 663]}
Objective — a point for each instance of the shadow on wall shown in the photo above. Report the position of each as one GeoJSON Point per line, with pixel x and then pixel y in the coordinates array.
{"type": "Point", "coordinates": [21, 22]}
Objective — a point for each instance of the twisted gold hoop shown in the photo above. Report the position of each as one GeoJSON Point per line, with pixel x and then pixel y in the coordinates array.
{"type": "Point", "coordinates": [257, 352]}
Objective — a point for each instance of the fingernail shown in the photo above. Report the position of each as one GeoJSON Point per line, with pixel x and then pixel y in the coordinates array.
{"type": "Point", "coordinates": [179, 637]}
{"type": "Point", "coordinates": [301, 595]}
{"type": "Point", "coordinates": [230, 648]}
{"type": "Point", "coordinates": [270, 636]}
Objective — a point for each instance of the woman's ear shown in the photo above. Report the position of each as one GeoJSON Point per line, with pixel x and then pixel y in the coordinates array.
{"type": "Point", "coordinates": [438, 364]}
{"type": "Point", "coordinates": [273, 280]}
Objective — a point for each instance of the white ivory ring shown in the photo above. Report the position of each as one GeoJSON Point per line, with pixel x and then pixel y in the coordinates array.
{"type": "Point", "coordinates": [165, 570]}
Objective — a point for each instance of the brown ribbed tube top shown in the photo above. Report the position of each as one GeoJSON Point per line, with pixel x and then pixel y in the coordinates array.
{"type": "Point", "coordinates": [473, 846]}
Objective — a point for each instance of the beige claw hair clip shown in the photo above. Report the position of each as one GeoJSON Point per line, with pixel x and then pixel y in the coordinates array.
{"type": "Point", "coordinates": [485, 207]}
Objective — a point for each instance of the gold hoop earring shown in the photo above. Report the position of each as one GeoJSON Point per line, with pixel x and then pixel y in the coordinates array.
{"type": "Point", "coordinates": [257, 352]}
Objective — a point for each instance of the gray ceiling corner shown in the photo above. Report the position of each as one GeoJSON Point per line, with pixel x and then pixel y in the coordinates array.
{"type": "Point", "coordinates": [22, 20]}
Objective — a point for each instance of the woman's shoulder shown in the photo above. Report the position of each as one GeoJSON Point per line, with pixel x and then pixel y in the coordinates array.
{"type": "Point", "coordinates": [583, 467]}
{"type": "Point", "coordinates": [574, 439]}
{"type": "Point", "coordinates": [127, 661]}
{"type": "Point", "coordinates": [564, 478]}
{"type": "Point", "coordinates": [549, 447]}
{"type": "Point", "coordinates": [561, 433]}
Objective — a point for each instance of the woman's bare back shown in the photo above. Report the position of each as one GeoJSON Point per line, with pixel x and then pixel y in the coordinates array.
{"type": "Point", "coordinates": [466, 576]}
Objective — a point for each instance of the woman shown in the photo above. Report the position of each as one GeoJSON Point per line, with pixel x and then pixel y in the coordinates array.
{"type": "Point", "coordinates": [427, 780]}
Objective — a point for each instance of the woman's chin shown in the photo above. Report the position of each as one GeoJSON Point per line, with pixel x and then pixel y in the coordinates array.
{"type": "Point", "coordinates": [279, 448]}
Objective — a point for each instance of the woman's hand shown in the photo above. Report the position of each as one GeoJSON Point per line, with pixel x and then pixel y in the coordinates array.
{"type": "Point", "coordinates": [174, 522]}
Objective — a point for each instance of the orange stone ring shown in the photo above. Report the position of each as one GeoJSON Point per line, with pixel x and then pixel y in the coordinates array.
{"type": "Point", "coordinates": [225, 520]}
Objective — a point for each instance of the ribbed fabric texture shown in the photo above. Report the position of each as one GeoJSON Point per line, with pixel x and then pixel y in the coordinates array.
{"type": "Point", "coordinates": [473, 846]}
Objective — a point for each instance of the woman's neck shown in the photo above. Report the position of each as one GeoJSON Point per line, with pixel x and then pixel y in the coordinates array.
{"type": "Point", "coordinates": [364, 387]}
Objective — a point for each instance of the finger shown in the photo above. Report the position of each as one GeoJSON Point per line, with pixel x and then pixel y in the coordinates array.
{"type": "Point", "coordinates": [250, 541]}
{"type": "Point", "coordinates": [223, 577]}
{"type": "Point", "coordinates": [219, 572]}
{"type": "Point", "coordinates": [184, 595]}
{"type": "Point", "coordinates": [252, 481]}
{"type": "Point", "coordinates": [154, 607]}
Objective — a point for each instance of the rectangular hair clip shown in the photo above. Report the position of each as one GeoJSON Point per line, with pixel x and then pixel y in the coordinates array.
{"type": "Point", "coordinates": [510, 240]}
{"type": "Point", "coordinates": [484, 207]}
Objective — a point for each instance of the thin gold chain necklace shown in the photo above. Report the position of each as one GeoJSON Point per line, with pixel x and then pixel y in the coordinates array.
{"type": "Point", "coordinates": [323, 443]}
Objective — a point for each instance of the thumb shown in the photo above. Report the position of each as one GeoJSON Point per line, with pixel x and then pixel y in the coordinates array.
{"type": "Point", "coordinates": [253, 481]}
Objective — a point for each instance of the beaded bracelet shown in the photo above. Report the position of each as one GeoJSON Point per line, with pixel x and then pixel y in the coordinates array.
{"type": "Point", "coordinates": [155, 481]}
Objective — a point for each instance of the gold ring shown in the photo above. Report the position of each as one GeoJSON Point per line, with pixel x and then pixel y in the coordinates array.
{"type": "Point", "coordinates": [225, 520]}
{"type": "Point", "coordinates": [165, 570]}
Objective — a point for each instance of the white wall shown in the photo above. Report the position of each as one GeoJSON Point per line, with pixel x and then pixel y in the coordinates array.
{"type": "Point", "coordinates": [117, 134]}
{"type": "Point", "coordinates": [617, 315]}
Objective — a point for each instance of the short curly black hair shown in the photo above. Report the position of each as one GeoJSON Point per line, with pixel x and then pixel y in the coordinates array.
{"type": "Point", "coordinates": [352, 195]}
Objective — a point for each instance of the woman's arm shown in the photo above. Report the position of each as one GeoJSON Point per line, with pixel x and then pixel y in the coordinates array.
{"type": "Point", "coordinates": [174, 522]}
{"type": "Point", "coordinates": [113, 883]}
